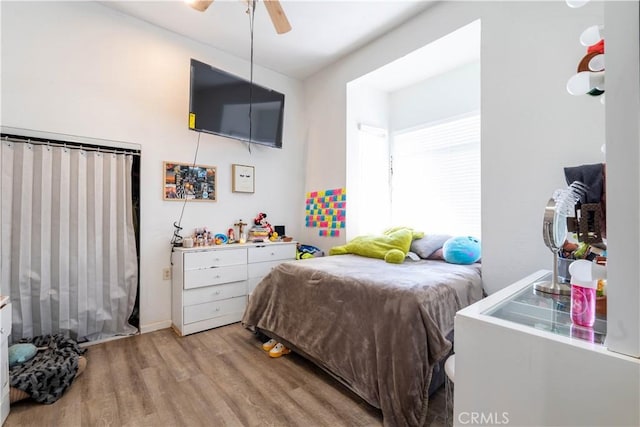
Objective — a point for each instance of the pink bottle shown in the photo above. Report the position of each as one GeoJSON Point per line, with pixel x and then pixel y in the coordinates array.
{"type": "Point", "coordinates": [583, 302]}
{"type": "Point", "coordinates": [584, 281]}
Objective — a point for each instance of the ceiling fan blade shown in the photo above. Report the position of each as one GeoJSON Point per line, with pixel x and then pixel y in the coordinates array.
{"type": "Point", "coordinates": [278, 18]}
{"type": "Point", "coordinates": [200, 5]}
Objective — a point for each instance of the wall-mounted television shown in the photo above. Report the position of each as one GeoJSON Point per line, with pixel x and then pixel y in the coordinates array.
{"type": "Point", "coordinates": [221, 103]}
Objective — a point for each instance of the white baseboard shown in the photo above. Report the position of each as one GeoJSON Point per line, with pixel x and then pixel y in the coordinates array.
{"type": "Point", "coordinates": [155, 326]}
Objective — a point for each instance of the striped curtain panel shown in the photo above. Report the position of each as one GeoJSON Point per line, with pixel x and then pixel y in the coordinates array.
{"type": "Point", "coordinates": [68, 251]}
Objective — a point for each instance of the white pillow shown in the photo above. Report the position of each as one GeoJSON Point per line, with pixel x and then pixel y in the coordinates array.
{"type": "Point", "coordinates": [428, 244]}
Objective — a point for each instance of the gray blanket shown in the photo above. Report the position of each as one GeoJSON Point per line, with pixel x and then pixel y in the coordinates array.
{"type": "Point", "coordinates": [377, 327]}
{"type": "Point", "coordinates": [51, 371]}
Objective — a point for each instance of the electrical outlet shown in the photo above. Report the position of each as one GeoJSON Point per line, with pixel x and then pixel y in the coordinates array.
{"type": "Point", "coordinates": [166, 273]}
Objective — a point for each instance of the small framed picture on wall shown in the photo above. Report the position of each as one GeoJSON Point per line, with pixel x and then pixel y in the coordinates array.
{"type": "Point", "coordinates": [243, 179]}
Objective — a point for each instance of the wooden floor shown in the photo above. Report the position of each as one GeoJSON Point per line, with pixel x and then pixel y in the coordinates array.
{"type": "Point", "coordinates": [213, 378]}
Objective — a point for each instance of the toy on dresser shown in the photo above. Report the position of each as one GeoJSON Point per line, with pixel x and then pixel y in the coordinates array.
{"type": "Point", "coordinates": [261, 230]}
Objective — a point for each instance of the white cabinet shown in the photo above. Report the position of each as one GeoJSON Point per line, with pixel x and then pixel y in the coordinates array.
{"type": "Point", "coordinates": [5, 333]}
{"type": "Point", "coordinates": [210, 284]}
{"type": "Point", "coordinates": [520, 361]}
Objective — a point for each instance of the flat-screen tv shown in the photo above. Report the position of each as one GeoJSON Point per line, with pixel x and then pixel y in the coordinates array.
{"type": "Point", "coordinates": [227, 105]}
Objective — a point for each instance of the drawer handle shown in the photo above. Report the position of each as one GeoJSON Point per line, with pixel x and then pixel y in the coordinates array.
{"type": "Point", "coordinates": [217, 292]}
{"type": "Point", "coordinates": [217, 276]}
{"type": "Point", "coordinates": [217, 308]}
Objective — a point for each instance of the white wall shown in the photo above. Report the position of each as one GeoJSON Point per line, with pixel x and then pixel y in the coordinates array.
{"type": "Point", "coordinates": [446, 95]}
{"type": "Point", "coordinates": [82, 69]}
{"type": "Point", "coordinates": [623, 177]}
{"type": "Point", "coordinates": [531, 126]}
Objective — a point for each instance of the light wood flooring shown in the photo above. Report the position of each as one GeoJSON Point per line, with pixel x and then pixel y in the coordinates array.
{"type": "Point", "coordinates": [214, 378]}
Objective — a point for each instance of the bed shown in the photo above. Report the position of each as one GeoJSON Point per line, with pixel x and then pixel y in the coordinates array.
{"type": "Point", "coordinates": [378, 328]}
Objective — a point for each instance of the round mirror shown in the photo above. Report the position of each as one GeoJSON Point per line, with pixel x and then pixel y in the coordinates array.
{"type": "Point", "coordinates": [554, 227]}
{"type": "Point", "coordinates": [559, 230]}
{"type": "Point", "coordinates": [554, 233]}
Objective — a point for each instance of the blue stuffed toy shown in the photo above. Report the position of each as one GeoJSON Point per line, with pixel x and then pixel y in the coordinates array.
{"type": "Point", "coordinates": [461, 250]}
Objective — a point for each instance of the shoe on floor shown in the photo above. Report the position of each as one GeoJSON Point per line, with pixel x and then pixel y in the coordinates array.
{"type": "Point", "coordinates": [278, 350]}
{"type": "Point", "coordinates": [269, 345]}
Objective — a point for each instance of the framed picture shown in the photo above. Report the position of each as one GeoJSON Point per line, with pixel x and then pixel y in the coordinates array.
{"type": "Point", "coordinates": [243, 179]}
{"type": "Point", "coordinates": [191, 182]}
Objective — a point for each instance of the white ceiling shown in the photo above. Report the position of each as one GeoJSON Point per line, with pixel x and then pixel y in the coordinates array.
{"type": "Point", "coordinates": [323, 30]}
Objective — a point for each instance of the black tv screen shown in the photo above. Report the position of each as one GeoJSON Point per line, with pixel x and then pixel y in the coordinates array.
{"type": "Point", "coordinates": [220, 103]}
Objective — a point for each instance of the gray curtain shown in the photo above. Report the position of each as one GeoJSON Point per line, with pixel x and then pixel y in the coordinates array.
{"type": "Point", "coordinates": [68, 251]}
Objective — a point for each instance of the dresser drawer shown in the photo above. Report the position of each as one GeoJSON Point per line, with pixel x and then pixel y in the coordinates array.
{"type": "Point", "coordinates": [252, 283]}
{"type": "Point", "coordinates": [214, 258]}
{"type": "Point", "coordinates": [261, 269]}
{"type": "Point", "coordinates": [272, 252]}
{"type": "Point", "coordinates": [214, 293]}
{"type": "Point", "coordinates": [208, 310]}
{"type": "Point", "coordinates": [214, 276]}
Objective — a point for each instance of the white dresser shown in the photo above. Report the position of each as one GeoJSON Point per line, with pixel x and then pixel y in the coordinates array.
{"type": "Point", "coordinates": [210, 284]}
{"type": "Point", "coordinates": [5, 333]}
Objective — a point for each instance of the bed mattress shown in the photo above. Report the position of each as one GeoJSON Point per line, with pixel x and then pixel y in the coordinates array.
{"type": "Point", "coordinates": [377, 327]}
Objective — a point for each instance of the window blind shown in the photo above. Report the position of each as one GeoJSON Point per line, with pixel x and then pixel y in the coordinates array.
{"type": "Point", "coordinates": [435, 184]}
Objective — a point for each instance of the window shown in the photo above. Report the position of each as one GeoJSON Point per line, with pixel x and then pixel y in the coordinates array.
{"type": "Point", "coordinates": [435, 179]}
{"type": "Point", "coordinates": [372, 181]}
{"type": "Point", "coordinates": [422, 169]}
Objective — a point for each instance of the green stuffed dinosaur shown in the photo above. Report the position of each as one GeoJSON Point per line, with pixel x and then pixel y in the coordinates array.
{"type": "Point", "coordinates": [392, 246]}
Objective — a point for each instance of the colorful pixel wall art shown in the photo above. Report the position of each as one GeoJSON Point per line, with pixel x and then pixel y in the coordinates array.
{"type": "Point", "coordinates": [326, 210]}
